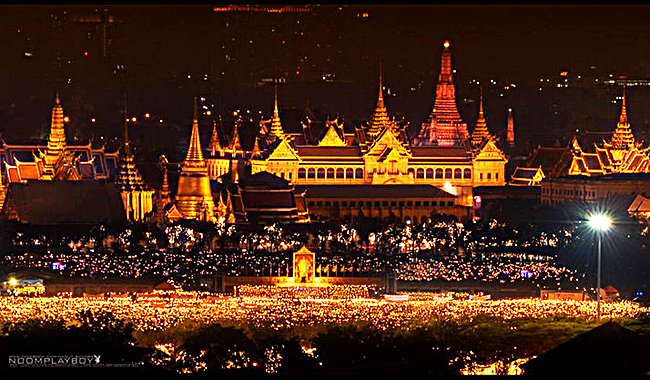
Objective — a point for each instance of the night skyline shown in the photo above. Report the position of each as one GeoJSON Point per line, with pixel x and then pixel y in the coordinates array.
{"type": "Point", "coordinates": [149, 51]}
{"type": "Point", "coordinates": [325, 189]}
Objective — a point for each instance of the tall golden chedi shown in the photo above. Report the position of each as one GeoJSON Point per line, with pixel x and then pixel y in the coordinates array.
{"type": "Point", "coordinates": [137, 196]}
{"type": "Point", "coordinates": [57, 162]}
{"type": "Point", "coordinates": [194, 196]}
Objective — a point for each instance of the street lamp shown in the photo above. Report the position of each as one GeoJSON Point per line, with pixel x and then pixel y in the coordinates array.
{"type": "Point", "coordinates": [599, 223]}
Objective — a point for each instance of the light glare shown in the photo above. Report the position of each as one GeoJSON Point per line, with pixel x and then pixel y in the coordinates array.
{"type": "Point", "coordinates": [600, 222]}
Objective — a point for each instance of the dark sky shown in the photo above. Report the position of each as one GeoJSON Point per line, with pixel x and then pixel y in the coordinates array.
{"type": "Point", "coordinates": [158, 46]}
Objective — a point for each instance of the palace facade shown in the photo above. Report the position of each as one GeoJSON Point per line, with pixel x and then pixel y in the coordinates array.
{"type": "Point", "coordinates": [443, 157]}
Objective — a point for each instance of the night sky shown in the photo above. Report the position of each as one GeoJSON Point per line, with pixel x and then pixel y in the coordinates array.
{"type": "Point", "coordinates": [151, 50]}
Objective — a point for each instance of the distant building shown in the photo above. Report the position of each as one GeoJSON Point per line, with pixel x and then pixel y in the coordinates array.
{"type": "Point", "coordinates": [57, 160]}
{"type": "Point", "coordinates": [618, 155]}
{"type": "Point", "coordinates": [594, 189]}
{"type": "Point", "coordinates": [63, 202]}
{"type": "Point", "coordinates": [527, 177]}
{"type": "Point", "coordinates": [415, 203]}
{"type": "Point", "coordinates": [263, 198]}
{"type": "Point", "coordinates": [33, 169]}
{"type": "Point", "coordinates": [640, 208]}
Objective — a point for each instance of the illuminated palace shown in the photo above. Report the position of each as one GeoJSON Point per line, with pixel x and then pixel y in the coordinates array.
{"type": "Point", "coordinates": [438, 169]}
{"type": "Point", "coordinates": [59, 172]}
{"type": "Point", "coordinates": [616, 167]}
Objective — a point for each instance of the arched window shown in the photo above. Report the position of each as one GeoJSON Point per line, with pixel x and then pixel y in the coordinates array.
{"type": "Point", "coordinates": [458, 173]}
{"type": "Point", "coordinates": [411, 172]}
{"type": "Point", "coordinates": [358, 173]}
{"type": "Point", "coordinates": [330, 173]}
{"type": "Point", "coordinates": [447, 173]}
{"type": "Point", "coordinates": [301, 173]}
{"type": "Point", "coordinates": [429, 173]}
{"type": "Point", "coordinates": [349, 173]}
{"type": "Point", "coordinates": [339, 173]}
{"type": "Point", "coordinates": [439, 173]}
{"type": "Point", "coordinates": [419, 173]}
{"type": "Point", "coordinates": [467, 173]}
{"type": "Point", "coordinates": [311, 173]}
{"type": "Point", "coordinates": [320, 173]}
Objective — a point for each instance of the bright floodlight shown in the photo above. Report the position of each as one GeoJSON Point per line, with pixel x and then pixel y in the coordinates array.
{"type": "Point", "coordinates": [600, 222]}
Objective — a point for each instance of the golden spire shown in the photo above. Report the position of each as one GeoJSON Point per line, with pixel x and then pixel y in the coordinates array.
{"type": "Point", "coordinates": [623, 117]}
{"type": "Point", "coordinates": [214, 141]}
{"type": "Point", "coordinates": [380, 118]}
{"type": "Point", "coordinates": [127, 142]}
{"type": "Point", "coordinates": [480, 131]}
{"type": "Point", "coordinates": [235, 143]}
{"type": "Point", "coordinates": [623, 137]}
{"type": "Point", "coordinates": [56, 155]}
{"type": "Point", "coordinates": [276, 126]}
{"type": "Point", "coordinates": [511, 129]}
{"type": "Point", "coordinates": [164, 191]}
{"type": "Point", "coordinates": [194, 153]}
{"type": "Point", "coordinates": [256, 147]}
{"type": "Point", "coordinates": [194, 195]}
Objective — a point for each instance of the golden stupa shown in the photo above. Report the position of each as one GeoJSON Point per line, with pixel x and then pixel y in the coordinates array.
{"type": "Point", "coordinates": [194, 196]}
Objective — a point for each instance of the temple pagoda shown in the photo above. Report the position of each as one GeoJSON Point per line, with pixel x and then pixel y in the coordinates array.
{"type": "Point", "coordinates": [481, 131]}
{"type": "Point", "coordinates": [137, 196]}
{"type": "Point", "coordinates": [444, 127]}
{"type": "Point", "coordinates": [194, 196]}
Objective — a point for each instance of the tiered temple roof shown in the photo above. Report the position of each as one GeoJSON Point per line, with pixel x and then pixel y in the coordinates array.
{"type": "Point", "coordinates": [444, 126]}
{"type": "Point", "coordinates": [481, 131]}
{"type": "Point", "coordinates": [136, 194]}
{"type": "Point", "coordinates": [57, 160]}
{"type": "Point", "coordinates": [619, 155]}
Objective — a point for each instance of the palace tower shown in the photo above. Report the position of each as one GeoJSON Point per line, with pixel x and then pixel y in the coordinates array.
{"type": "Point", "coordinates": [444, 127]}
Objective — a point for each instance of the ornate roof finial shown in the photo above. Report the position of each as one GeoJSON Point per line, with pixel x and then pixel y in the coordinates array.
{"type": "Point", "coordinates": [194, 153]}
{"type": "Point", "coordinates": [511, 129]}
{"type": "Point", "coordinates": [480, 130]}
{"type": "Point", "coordinates": [623, 118]}
{"type": "Point", "coordinates": [195, 116]}
{"type": "Point", "coordinates": [214, 145]}
{"type": "Point", "coordinates": [381, 84]}
{"type": "Point", "coordinates": [56, 100]}
{"type": "Point", "coordinates": [480, 107]}
{"type": "Point", "coordinates": [446, 44]}
{"type": "Point", "coordinates": [127, 142]}
{"type": "Point", "coordinates": [380, 117]}
{"type": "Point", "coordinates": [623, 137]}
{"type": "Point", "coordinates": [276, 126]}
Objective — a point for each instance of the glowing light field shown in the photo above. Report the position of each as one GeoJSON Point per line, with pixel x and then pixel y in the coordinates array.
{"type": "Point", "coordinates": [156, 312]}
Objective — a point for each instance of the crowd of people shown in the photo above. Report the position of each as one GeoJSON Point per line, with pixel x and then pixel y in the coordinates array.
{"type": "Point", "coordinates": [433, 251]}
